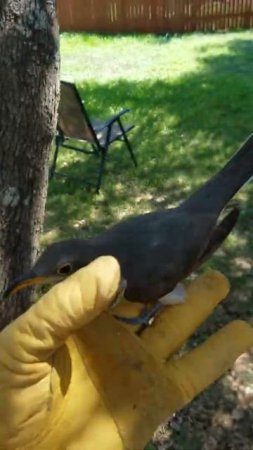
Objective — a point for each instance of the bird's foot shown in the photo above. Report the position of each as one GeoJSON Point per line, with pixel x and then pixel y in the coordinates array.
{"type": "Point", "coordinates": [175, 297]}
{"type": "Point", "coordinates": [120, 293]}
{"type": "Point", "coordinates": [146, 318]}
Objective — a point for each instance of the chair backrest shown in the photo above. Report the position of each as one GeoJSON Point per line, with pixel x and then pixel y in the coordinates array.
{"type": "Point", "coordinates": [73, 120]}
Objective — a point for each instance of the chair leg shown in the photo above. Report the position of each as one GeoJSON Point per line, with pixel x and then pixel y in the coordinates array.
{"type": "Point", "coordinates": [53, 165]}
{"type": "Point", "coordinates": [130, 149]}
{"type": "Point", "coordinates": [95, 150]}
{"type": "Point", "coordinates": [101, 170]}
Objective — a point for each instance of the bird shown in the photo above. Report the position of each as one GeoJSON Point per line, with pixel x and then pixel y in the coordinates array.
{"type": "Point", "coordinates": [159, 249]}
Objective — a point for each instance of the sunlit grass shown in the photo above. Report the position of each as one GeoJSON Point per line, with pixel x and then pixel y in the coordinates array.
{"type": "Point", "coordinates": [142, 57]}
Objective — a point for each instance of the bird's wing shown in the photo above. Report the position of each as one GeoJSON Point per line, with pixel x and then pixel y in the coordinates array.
{"type": "Point", "coordinates": [162, 255]}
{"type": "Point", "coordinates": [219, 234]}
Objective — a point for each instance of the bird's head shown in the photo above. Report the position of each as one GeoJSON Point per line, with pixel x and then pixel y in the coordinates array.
{"type": "Point", "coordinates": [57, 262]}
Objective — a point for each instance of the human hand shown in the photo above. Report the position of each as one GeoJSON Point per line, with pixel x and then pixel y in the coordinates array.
{"type": "Point", "coordinates": [71, 376]}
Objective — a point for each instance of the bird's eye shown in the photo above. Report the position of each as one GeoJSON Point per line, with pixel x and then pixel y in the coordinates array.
{"type": "Point", "coordinates": [65, 269]}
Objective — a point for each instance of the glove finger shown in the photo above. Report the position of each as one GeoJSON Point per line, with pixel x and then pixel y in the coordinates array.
{"type": "Point", "coordinates": [130, 380]}
{"type": "Point", "coordinates": [176, 323]}
{"type": "Point", "coordinates": [65, 308]}
{"type": "Point", "coordinates": [206, 363]}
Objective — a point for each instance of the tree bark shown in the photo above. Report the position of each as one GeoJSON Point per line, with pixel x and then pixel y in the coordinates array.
{"type": "Point", "coordinates": [29, 86]}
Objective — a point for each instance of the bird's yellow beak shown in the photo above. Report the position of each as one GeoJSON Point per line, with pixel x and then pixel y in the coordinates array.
{"type": "Point", "coordinates": [25, 281]}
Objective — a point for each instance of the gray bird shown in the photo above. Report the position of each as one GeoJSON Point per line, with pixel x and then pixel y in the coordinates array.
{"type": "Point", "coordinates": [157, 250]}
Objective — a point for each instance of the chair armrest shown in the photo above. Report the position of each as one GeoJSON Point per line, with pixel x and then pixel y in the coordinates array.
{"type": "Point", "coordinates": [113, 119]}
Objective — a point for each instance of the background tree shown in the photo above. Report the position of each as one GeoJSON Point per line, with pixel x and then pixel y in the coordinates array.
{"type": "Point", "coordinates": [29, 67]}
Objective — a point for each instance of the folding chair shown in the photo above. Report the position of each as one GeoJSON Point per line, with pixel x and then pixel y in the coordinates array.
{"type": "Point", "coordinates": [75, 124]}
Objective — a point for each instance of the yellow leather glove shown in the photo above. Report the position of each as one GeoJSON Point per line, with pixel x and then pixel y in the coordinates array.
{"type": "Point", "coordinates": [72, 377]}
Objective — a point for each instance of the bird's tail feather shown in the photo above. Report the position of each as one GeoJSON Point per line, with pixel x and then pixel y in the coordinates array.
{"type": "Point", "coordinates": [215, 194]}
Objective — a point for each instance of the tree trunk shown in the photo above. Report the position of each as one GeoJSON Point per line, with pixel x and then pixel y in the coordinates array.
{"type": "Point", "coordinates": [29, 68]}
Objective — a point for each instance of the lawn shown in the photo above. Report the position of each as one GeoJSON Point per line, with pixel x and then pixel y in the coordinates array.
{"type": "Point", "coordinates": [191, 99]}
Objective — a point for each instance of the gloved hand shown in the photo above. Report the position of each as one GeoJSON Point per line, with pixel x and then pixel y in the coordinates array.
{"type": "Point", "coordinates": [73, 377]}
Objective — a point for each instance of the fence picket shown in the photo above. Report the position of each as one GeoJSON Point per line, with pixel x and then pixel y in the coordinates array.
{"type": "Point", "coordinates": [154, 16]}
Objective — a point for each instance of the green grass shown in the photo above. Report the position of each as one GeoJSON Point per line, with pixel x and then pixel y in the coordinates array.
{"type": "Point", "coordinates": [191, 99]}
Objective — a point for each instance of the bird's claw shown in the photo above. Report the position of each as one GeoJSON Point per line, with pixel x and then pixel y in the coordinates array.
{"type": "Point", "coordinates": [144, 319]}
{"type": "Point", "coordinates": [120, 293]}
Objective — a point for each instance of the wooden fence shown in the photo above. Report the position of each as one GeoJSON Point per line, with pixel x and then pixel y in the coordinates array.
{"type": "Point", "coordinates": [154, 16]}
